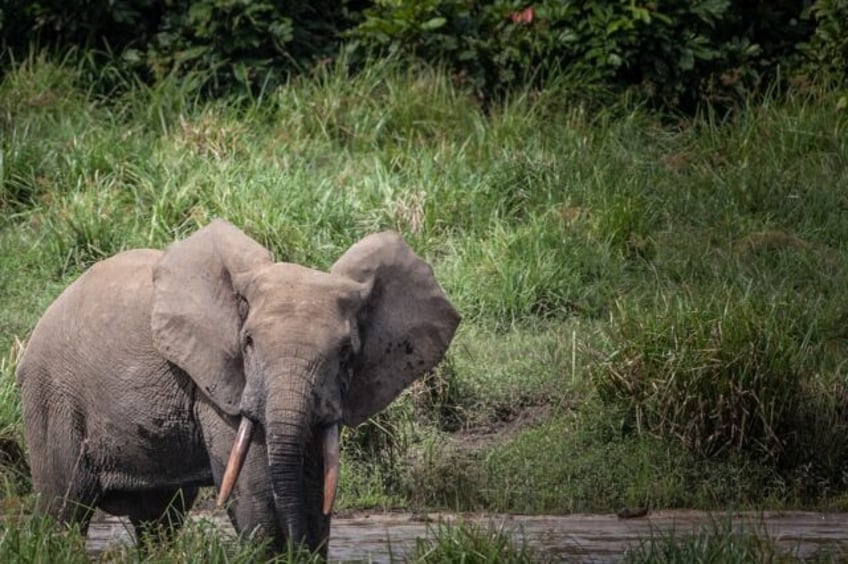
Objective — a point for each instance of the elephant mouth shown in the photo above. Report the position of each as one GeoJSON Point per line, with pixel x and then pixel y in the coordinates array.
{"type": "Point", "coordinates": [329, 441]}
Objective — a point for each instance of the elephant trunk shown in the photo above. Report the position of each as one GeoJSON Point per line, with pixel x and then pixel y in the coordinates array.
{"type": "Point", "coordinates": [288, 426]}
{"type": "Point", "coordinates": [286, 432]}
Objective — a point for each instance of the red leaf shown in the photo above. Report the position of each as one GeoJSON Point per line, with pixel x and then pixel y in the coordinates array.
{"type": "Point", "coordinates": [525, 16]}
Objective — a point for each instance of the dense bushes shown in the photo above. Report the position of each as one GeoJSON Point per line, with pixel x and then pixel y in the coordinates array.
{"type": "Point", "coordinates": [230, 40]}
{"type": "Point", "coordinates": [829, 45]}
{"type": "Point", "coordinates": [677, 53]}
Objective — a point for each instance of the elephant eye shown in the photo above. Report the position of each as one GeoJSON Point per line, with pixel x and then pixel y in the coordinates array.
{"type": "Point", "coordinates": [346, 352]}
{"type": "Point", "coordinates": [243, 308]}
{"type": "Point", "coordinates": [344, 379]}
{"type": "Point", "coordinates": [344, 357]}
{"type": "Point", "coordinates": [247, 341]}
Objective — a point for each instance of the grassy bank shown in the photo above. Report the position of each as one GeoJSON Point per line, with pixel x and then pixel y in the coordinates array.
{"type": "Point", "coordinates": [654, 309]}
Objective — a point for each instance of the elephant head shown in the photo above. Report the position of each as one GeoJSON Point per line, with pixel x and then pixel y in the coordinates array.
{"type": "Point", "coordinates": [295, 350]}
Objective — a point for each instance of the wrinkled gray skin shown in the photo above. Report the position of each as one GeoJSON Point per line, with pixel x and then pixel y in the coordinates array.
{"type": "Point", "coordinates": [135, 379]}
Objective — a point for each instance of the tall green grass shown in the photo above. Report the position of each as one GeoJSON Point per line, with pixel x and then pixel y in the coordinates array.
{"type": "Point", "coordinates": [722, 541]}
{"type": "Point", "coordinates": [472, 544]}
{"type": "Point", "coordinates": [638, 291]}
{"type": "Point", "coordinates": [26, 538]}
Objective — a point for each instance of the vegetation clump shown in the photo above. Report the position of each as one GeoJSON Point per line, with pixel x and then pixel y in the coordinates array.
{"type": "Point", "coordinates": [677, 54]}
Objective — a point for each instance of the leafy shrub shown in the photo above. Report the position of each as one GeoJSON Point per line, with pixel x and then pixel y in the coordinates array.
{"type": "Point", "coordinates": [244, 41]}
{"type": "Point", "coordinates": [828, 47]}
{"type": "Point", "coordinates": [677, 52]}
{"type": "Point", "coordinates": [101, 23]}
{"type": "Point", "coordinates": [231, 41]}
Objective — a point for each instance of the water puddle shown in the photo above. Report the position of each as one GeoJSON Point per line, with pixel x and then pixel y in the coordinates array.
{"type": "Point", "coordinates": [383, 537]}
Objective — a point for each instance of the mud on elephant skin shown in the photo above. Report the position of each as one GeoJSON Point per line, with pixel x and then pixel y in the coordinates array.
{"type": "Point", "coordinates": [157, 372]}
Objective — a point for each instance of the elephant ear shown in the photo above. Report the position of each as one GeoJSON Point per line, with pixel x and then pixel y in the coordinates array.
{"type": "Point", "coordinates": [195, 320]}
{"type": "Point", "coordinates": [406, 323]}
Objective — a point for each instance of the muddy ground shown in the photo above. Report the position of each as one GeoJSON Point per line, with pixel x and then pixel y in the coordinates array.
{"type": "Point", "coordinates": [382, 537]}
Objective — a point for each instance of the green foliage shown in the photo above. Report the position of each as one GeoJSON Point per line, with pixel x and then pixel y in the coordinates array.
{"type": "Point", "coordinates": [229, 42]}
{"type": "Point", "coordinates": [575, 460]}
{"type": "Point", "coordinates": [96, 24]}
{"type": "Point", "coordinates": [247, 42]}
{"type": "Point", "coordinates": [243, 36]}
{"type": "Point", "coordinates": [828, 47]}
{"type": "Point", "coordinates": [541, 268]}
{"type": "Point", "coordinates": [676, 52]}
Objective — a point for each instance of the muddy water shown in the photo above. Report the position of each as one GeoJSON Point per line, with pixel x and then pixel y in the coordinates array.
{"type": "Point", "coordinates": [382, 537]}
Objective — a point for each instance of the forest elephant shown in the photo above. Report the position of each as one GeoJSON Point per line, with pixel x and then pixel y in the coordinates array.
{"type": "Point", "coordinates": [158, 372]}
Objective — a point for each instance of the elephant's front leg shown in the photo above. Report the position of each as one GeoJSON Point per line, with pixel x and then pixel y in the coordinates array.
{"type": "Point", "coordinates": [251, 505]}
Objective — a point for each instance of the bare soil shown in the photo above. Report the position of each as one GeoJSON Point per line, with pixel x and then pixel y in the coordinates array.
{"type": "Point", "coordinates": [507, 425]}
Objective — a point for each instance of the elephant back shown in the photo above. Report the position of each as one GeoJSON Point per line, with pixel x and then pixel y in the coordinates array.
{"type": "Point", "coordinates": [100, 323]}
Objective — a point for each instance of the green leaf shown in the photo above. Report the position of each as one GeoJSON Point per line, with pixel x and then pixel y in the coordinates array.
{"type": "Point", "coordinates": [199, 12]}
{"type": "Point", "coordinates": [132, 56]}
{"type": "Point", "coordinates": [192, 53]}
{"type": "Point", "coordinates": [687, 60]}
{"type": "Point", "coordinates": [434, 23]}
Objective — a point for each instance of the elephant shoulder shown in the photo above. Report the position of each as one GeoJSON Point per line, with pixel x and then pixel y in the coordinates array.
{"type": "Point", "coordinates": [124, 274]}
{"type": "Point", "coordinates": [109, 304]}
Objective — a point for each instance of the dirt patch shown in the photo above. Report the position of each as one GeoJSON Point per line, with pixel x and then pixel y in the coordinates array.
{"type": "Point", "coordinates": [508, 423]}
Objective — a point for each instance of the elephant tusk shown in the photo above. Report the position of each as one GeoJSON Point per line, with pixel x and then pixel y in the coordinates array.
{"type": "Point", "coordinates": [236, 460]}
{"type": "Point", "coordinates": [331, 466]}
